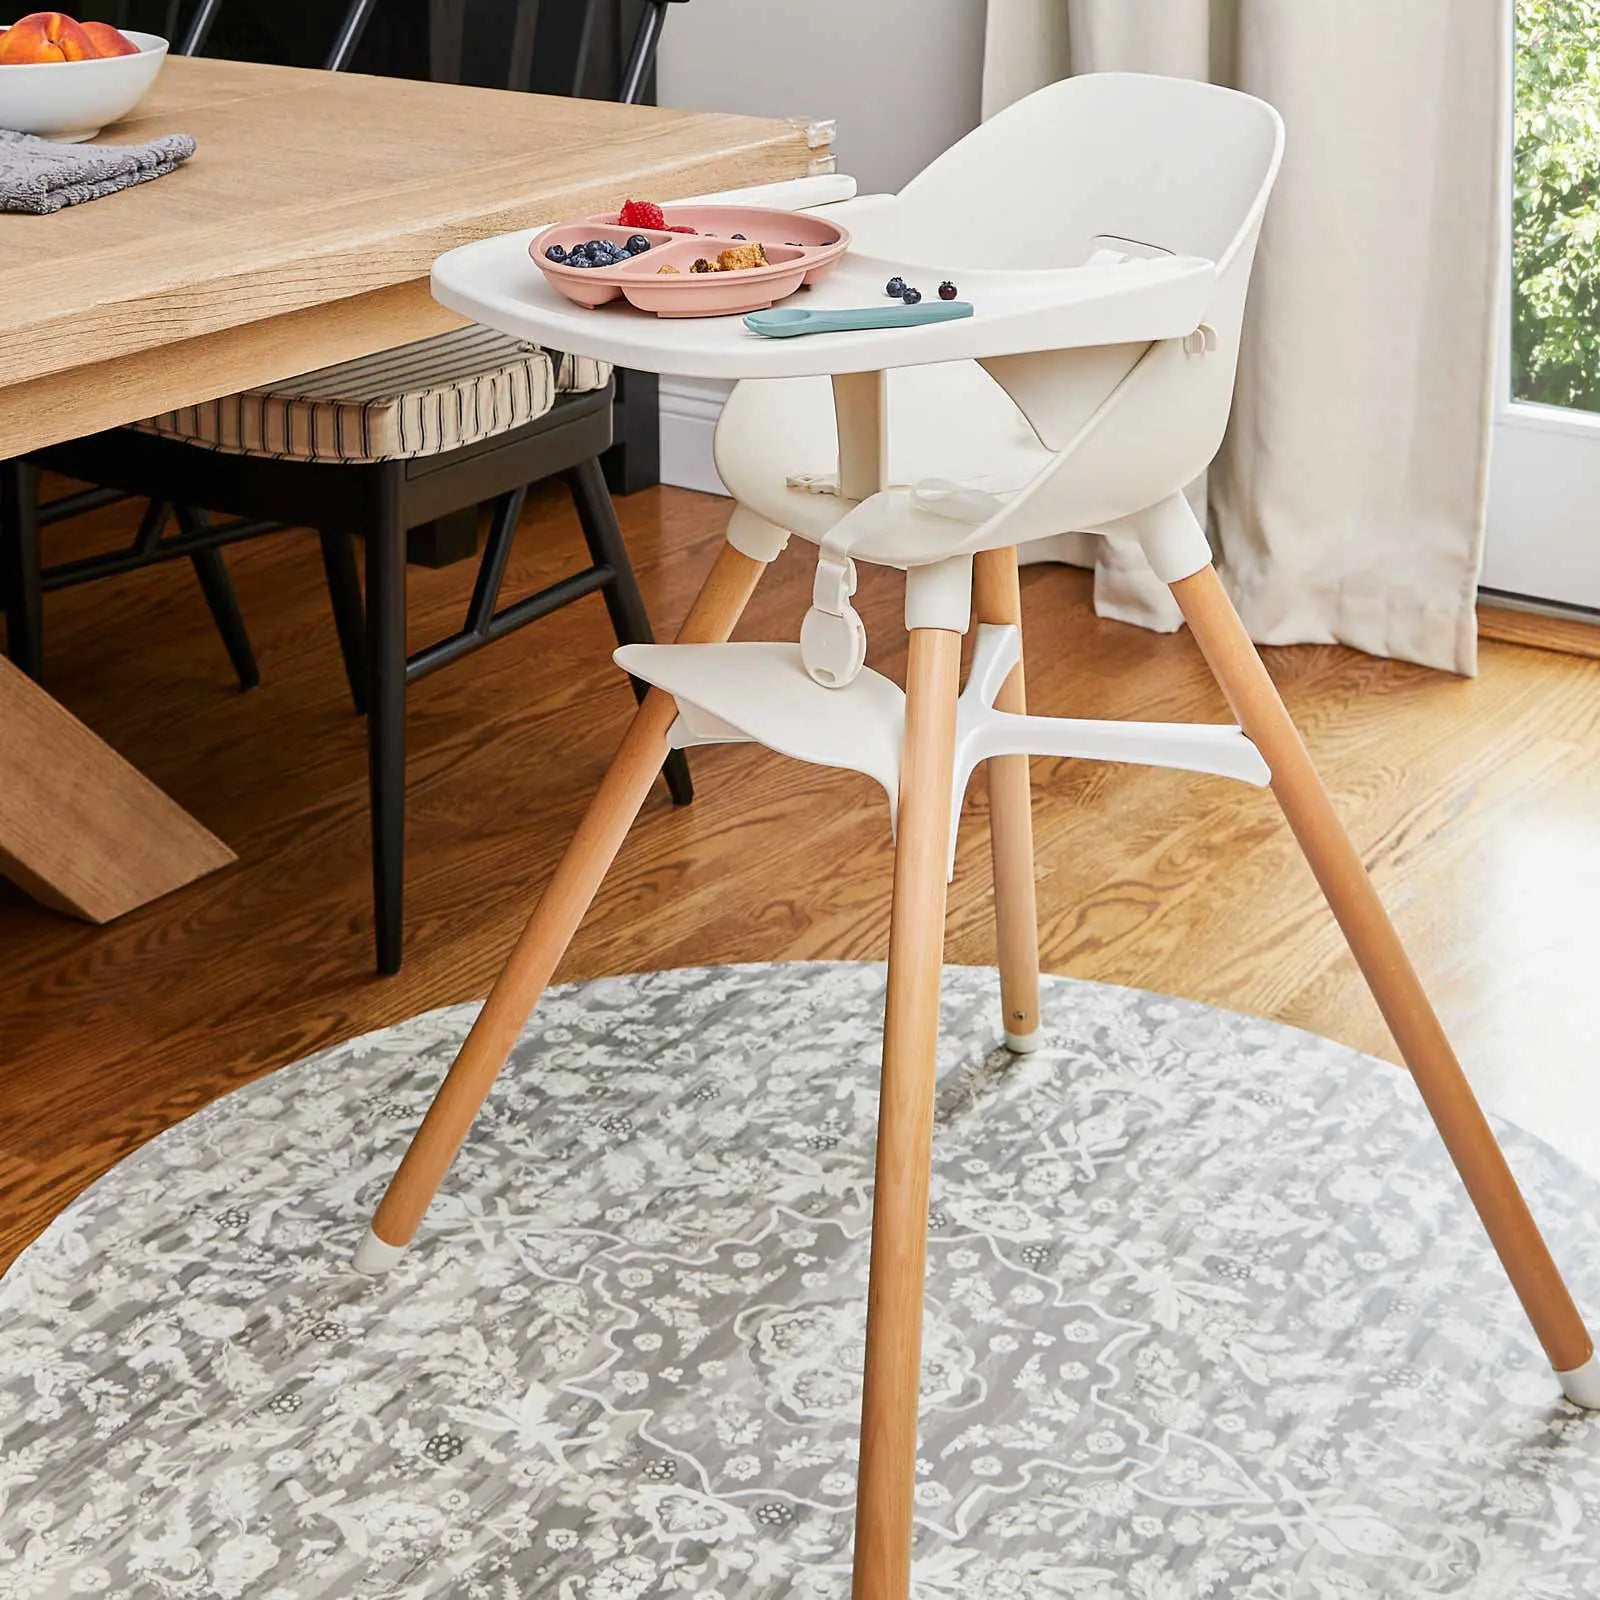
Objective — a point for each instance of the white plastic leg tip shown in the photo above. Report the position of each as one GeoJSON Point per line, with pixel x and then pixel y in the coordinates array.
{"type": "Point", "coordinates": [1582, 1384]}
{"type": "Point", "coordinates": [374, 1256]}
{"type": "Point", "coordinates": [1022, 1044]}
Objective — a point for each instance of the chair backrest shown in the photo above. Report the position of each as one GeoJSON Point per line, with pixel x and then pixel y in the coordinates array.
{"type": "Point", "coordinates": [447, 28]}
{"type": "Point", "coordinates": [1164, 163]}
{"type": "Point", "coordinates": [1168, 163]}
{"type": "Point", "coordinates": [1161, 165]}
{"type": "Point", "coordinates": [195, 33]}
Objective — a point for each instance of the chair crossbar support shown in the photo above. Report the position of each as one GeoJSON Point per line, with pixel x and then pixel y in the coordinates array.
{"type": "Point", "coordinates": [68, 574]}
{"type": "Point", "coordinates": [153, 523]}
{"type": "Point", "coordinates": [78, 504]}
{"type": "Point", "coordinates": [507, 620]}
{"type": "Point", "coordinates": [492, 569]}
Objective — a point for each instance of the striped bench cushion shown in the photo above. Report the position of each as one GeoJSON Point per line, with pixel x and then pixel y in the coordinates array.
{"type": "Point", "coordinates": [421, 399]}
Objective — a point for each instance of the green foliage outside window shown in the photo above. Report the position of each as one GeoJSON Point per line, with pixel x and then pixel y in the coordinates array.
{"type": "Point", "coordinates": [1555, 307]}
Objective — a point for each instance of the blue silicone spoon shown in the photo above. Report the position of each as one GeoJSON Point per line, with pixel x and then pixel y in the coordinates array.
{"type": "Point", "coordinates": [786, 324]}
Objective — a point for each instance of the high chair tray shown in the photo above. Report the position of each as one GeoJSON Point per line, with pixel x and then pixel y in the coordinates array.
{"type": "Point", "coordinates": [495, 282]}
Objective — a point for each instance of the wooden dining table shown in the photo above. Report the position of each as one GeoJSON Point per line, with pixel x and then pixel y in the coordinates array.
{"type": "Point", "coordinates": [300, 234]}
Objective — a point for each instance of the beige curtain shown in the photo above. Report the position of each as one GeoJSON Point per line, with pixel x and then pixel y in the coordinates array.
{"type": "Point", "coordinates": [1347, 504]}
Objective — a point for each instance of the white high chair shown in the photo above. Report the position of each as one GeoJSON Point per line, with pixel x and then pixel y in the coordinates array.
{"type": "Point", "coordinates": [1091, 384]}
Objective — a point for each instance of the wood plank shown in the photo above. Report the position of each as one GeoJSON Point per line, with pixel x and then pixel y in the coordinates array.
{"type": "Point", "coordinates": [1568, 635]}
{"type": "Point", "coordinates": [1477, 804]}
{"type": "Point", "coordinates": [311, 186]}
{"type": "Point", "coordinates": [80, 830]}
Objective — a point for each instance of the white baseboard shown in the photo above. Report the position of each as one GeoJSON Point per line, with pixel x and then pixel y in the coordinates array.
{"type": "Point", "coordinates": [689, 411]}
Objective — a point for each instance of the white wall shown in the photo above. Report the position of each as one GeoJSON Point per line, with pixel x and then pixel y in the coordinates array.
{"type": "Point", "coordinates": [901, 77]}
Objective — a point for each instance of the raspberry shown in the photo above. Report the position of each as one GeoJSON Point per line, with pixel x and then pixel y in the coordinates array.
{"type": "Point", "coordinates": [641, 214]}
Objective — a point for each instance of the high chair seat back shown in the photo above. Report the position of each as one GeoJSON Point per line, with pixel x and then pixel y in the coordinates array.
{"type": "Point", "coordinates": [1175, 166]}
{"type": "Point", "coordinates": [1166, 163]}
{"type": "Point", "coordinates": [1091, 174]}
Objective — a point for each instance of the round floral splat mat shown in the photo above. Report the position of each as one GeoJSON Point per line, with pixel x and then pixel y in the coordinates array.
{"type": "Point", "coordinates": [1208, 1315]}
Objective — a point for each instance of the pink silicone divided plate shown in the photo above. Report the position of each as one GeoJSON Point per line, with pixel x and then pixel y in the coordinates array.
{"type": "Point", "coordinates": [799, 248]}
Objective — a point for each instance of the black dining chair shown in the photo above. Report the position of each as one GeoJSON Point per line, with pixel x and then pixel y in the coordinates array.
{"type": "Point", "coordinates": [366, 449]}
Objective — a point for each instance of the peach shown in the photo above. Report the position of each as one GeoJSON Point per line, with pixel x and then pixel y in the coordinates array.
{"type": "Point", "coordinates": [45, 36]}
{"type": "Point", "coordinates": [109, 41]}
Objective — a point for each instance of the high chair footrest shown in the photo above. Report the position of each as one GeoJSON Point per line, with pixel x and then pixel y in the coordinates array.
{"type": "Point", "coordinates": [762, 693]}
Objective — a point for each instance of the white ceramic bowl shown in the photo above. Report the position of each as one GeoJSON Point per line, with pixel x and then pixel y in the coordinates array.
{"type": "Point", "coordinates": [71, 101]}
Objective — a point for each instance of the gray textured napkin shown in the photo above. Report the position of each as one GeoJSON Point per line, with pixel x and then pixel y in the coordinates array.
{"type": "Point", "coordinates": [38, 176]}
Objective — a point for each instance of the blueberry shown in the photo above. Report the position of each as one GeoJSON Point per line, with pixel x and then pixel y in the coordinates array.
{"type": "Point", "coordinates": [638, 244]}
{"type": "Point", "coordinates": [575, 260]}
{"type": "Point", "coordinates": [555, 253]}
{"type": "Point", "coordinates": [740, 237]}
{"type": "Point", "coordinates": [911, 296]}
{"type": "Point", "coordinates": [947, 290]}
{"type": "Point", "coordinates": [895, 287]}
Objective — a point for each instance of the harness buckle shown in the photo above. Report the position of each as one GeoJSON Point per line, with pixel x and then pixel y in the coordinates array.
{"type": "Point", "coordinates": [833, 638]}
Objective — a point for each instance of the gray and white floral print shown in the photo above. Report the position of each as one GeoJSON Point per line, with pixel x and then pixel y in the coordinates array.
{"type": "Point", "coordinates": [1207, 1316]}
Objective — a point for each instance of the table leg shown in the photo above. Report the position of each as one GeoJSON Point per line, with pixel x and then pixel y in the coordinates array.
{"type": "Point", "coordinates": [80, 830]}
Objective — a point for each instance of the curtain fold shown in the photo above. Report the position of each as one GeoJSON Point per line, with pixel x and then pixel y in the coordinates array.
{"type": "Point", "coordinates": [1347, 503]}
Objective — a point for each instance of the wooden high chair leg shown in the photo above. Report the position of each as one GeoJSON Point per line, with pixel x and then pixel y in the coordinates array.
{"type": "Point", "coordinates": [549, 931]}
{"type": "Point", "coordinates": [997, 597]}
{"type": "Point", "coordinates": [905, 1123]}
{"type": "Point", "coordinates": [1462, 1125]}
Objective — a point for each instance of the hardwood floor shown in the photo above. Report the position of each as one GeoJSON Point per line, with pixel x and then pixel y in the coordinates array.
{"type": "Point", "coordinates": [1476, 803]}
